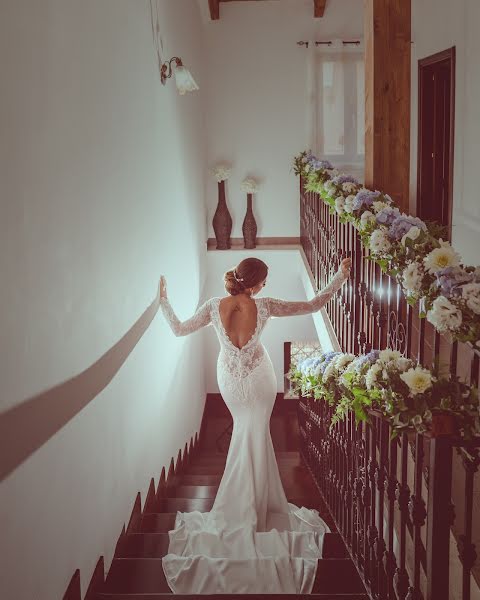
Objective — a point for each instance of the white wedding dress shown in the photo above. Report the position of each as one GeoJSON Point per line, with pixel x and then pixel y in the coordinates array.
{"type": "Point", "coordinates": [252, 540]}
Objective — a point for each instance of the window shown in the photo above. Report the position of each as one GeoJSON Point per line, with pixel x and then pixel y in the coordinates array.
{"type": "Point", "coordinates": [340, 108]}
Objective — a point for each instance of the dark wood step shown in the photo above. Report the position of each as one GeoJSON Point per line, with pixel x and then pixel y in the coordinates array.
{"type": "Point", "coordinates": [184, 504]}
{"type": "Point", "coordinates": [157, 522]}
{"type": "Point", "coordinates": [193, 491]}
{"type": "Point", "coordinates": [145, 576]}
{"type": "Point", "coordinates": [107, 596]}
{"type": "Point", "coordinates": [337, 575]}
{"type": "Point", "coordinates": [287, 468]}
{"type": "Point", "coordinates": [200, 479]}
{"type": "Point", "coordinates": [155, 545]}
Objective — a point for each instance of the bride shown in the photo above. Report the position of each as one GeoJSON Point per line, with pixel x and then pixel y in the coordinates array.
{"type": "Point", "coordinates": [252, 540]}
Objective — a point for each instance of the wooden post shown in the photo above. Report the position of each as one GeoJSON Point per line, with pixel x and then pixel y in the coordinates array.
{"type": "Point", "coordinates": [387, 98]}
{"type": "Point", "coordinates": [439, 518]}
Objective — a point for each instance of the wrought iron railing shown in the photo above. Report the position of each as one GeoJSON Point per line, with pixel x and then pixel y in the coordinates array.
{"type": "Point", "coordinates": [395, 502]}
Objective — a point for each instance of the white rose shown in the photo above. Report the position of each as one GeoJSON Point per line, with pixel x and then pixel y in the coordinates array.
{"type": "Point", "coordinates": [329, 371]}
{"type": "Point", "coordinates": [412, 278]}
{"type": "Point", "coordinates": [349, 203]}
{"type": "Point", "coordinates": [343, 360]}
{"type": "Point", "coordinates": [349, 187]}
{"type": "Point", "coordinates": [340, 205]}
{"type": "Point", "coordinates": [378, 205]}
{"type": "Point", "coordinates": [366, 218]}
{"type": "Point", "coordinates": [329, 187]}
{"type": "Point", "coordinates": [471, 295]}
{"type": "Point", "coordinates": [372, 374]}
{"type": "Point", "coordinates": [412, 234]}
{"type": "Point", "coordinates": [379, 241]}
{"type": "Point", "coordinates": [389, 355]}
{"type": "Point", "coordinates": [444, 316]}
{"type": "Point", "coordinates": [418, 380]}
{"type": "Point", "coordinates": [441, 258]}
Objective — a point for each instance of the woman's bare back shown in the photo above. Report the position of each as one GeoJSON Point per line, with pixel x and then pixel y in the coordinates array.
{"type": "Point", "coordinates": [238, 315]}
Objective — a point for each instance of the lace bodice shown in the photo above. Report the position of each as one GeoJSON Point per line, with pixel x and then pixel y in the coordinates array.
{"type": "Point", "coordinates": [240, 362]}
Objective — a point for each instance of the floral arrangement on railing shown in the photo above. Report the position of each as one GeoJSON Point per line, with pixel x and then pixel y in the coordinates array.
{"type": "Point", "coordinates": [407, 248]}
{"type": "Point", "coordinates": [410, 397]}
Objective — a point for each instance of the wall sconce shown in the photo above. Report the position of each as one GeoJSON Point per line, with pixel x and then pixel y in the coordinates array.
{"type": "Point", "coordinates": [183, 78]}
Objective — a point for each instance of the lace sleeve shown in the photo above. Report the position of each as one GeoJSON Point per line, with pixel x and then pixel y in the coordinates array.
{"type": "Point", "coordinates": [285, 308]}
{"type": "Point", "coordinates": [201, 318]}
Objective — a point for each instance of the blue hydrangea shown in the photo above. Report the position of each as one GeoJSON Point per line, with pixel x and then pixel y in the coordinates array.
{"type": "Point", "coordinates": [402, 225]}
{"type": "Point", "coordinates": [387, 215]}
{"type": "Point", "coordinates": [341, 179]}
{"type": "Point", "coordinates": [321, 164]}
{"type": "Point", "coordinates": [450, 279]}
{"type": "Point", "coordinates": [366, 360]}
{"type": "Point", "coordinates": [364, 199]}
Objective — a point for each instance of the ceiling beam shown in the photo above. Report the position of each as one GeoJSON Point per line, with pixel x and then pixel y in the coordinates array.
{"type": "Point", "coordinates": [214, 6]}
{"type": "Point", "coordinates": [319, 8]}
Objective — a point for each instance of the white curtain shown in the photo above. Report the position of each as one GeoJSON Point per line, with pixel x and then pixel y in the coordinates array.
{"type": "Point", "coordinates": [336, 105]}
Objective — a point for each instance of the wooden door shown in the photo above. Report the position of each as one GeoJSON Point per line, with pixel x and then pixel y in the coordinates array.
{"type": "Point", "coordinates": [436, 103]}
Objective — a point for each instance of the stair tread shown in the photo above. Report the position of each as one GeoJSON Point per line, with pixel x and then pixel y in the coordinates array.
{"type": "Point", "coordinates": [114, 596]}
{"type": "Point", "coordinates": [145, 575]}
{"type": "Point", "coordinates": [155, 545]}
{"type": "Point", "coordinates": [109, 596]}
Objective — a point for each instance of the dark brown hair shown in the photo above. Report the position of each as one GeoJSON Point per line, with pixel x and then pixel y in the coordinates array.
{"type": "Point", "coordinates": [250, 271]}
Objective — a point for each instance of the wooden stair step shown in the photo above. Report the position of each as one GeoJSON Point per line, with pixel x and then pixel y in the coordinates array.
{"type": "Point", "coordinates": [184, 504]}
{"type": "Point", "coordinates": [217, 469]}
{"type": "Point", "coordinates": [337, 575]}
{"type": "Point", "coordinates": [200, 479]}
{"type": "Point", "coordinates": [193, 491]}
{"type": "Point", "coordinates": [108, 596]}
{"type": "Point", "coordinates": [155, 545]}
{"type": "Point", "coordinates": [145, 576]}
{"type": "Point", "coordinates": [157, 522]}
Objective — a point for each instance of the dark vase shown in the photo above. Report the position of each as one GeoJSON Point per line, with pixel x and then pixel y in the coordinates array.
{"type": "Point", "coordinates": [222, 220]}
{"type": "Point", "coordinates": [249, 227]}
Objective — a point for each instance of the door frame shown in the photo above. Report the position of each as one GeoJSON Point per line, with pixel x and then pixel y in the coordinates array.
{"type": "Point", "coordinates": [448, 54]}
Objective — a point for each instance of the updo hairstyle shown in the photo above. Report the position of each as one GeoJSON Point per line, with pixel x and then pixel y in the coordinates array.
{"type": "Point", "coordinates": [247, 274]}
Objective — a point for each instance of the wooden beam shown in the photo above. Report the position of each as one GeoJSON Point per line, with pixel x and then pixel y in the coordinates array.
{"type": "Point", "coordinates": [319, 8]}
{"type": "Point", "coordinates": [387, 98]}
{"type": "Point", "coordinates": [214, 6]}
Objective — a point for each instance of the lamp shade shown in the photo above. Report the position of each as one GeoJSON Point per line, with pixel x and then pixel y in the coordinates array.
{"type": "Point", "coordinates": [184, 80]}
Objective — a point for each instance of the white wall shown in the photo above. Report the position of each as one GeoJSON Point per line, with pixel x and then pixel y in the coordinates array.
{"type": "Point", "coordinates": [256, 111]}
{"type": "Point", "coordinates": [286, 280]}
{"type": "Point", "coordinates": [102, 189]}
{"type": "Point", "coordinates": [438, 25]}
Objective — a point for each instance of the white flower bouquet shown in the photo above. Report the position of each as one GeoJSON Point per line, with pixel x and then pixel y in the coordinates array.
{"type": "Point", "coordinates": [249, 185]}
{"type": "Point", "coordinates": [221, 172]}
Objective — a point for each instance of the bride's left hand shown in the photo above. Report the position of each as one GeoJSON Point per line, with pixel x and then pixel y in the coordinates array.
{"type": "Point", "coordinates": [162, 287]}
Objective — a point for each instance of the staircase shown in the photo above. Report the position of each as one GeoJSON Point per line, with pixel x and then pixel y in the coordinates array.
{"type": "Point", "coordinates": [136, 571]}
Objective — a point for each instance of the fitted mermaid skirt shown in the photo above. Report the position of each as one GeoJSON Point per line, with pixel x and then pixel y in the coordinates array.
{"type": "Point", "coordinates": [252, 540]}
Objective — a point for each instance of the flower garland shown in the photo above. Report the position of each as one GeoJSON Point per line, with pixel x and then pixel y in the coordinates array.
{"type": "Point", "coordinates": [407, 248]}
{"type": "Point", "coordinates": [221, 172]}
{"type": "Point", "coordinates": [405, 393]}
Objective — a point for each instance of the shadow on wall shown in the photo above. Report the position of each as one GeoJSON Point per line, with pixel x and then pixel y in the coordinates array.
{"type": "Point", "coordinates": [25, 428]}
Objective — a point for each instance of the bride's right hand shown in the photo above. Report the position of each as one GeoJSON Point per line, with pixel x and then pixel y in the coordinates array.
{"type": "Point", "coordinates": [345, 266]}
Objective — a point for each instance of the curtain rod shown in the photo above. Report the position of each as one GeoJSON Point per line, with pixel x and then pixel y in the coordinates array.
{"type": "Point", "coordinates": [329, 43]}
